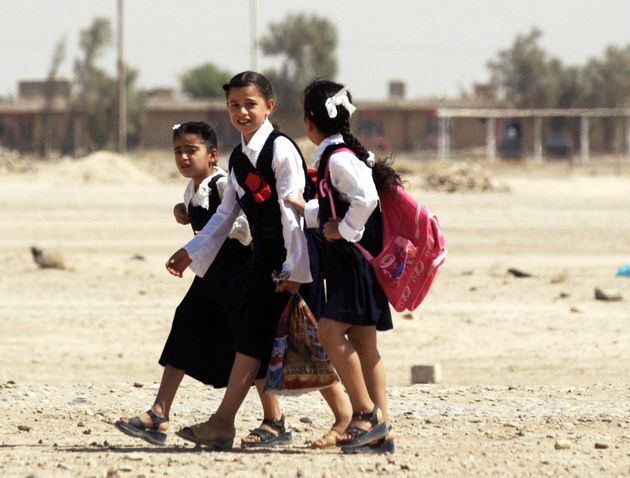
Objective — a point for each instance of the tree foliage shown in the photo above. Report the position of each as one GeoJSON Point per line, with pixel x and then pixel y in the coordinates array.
{"type": "Point", "coordinates": [307, 47]}
{"type": "Point", "coordinates": [529, 77]}
{"type": "Point", "coordinates": [608, 78]}
{"type": "Point", "coordinates": [97, 90]}
{"type": "Point", "coordinates": [524, 73]}
{"type": "Point", "coordinates": [205, 81]}
{"type": "Point", "coordinates": [59, 54]}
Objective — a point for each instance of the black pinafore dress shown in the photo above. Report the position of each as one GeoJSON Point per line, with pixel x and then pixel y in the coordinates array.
{"type": "Point", "coordinates": [353, 295]}
{"type": "Point", "coordinates": [201, 340]}
{"type": "Point", "coordinates": [257, 322]}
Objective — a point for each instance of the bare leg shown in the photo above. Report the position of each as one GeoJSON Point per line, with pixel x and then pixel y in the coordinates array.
{"type": "Point", "coordinates": [346, 361]}
{"type": "Point", "coordinates": [364, 341]}
{"type": "Point", "coordinates": [338, 402]}
{"type": "Point", "coordinates": [271, 410]}
{"type": "Point", "coordinates": [269, 402]}
{"type": "Point", "coordinates": [242, 375]}
{"type": "Point", "coordinates": [171, 379]}
{"type": "Point", "coordinates": [218, 431]}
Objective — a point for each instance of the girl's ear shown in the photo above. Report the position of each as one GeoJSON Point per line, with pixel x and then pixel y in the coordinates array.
{"type": "Point", "coordinates": [269, 106]}
{"type": "Point", "coordinates": [213, 157]}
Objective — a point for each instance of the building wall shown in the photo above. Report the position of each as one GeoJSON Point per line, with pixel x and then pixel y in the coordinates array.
{"type": "Point", "coordinates": [161, 116]}
{"type": "Point", "coordinates": [24, 129]}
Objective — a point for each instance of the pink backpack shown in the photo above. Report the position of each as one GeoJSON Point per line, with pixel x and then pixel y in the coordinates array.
{"type": "Point", "coordinates": [413, 246]}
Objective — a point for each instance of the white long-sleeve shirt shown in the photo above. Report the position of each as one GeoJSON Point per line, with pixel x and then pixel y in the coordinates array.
{"type": "Point", "coordinates": [352, 178]}
{"type": "Point", "coordinates": [201, 197]}
{"type": "Point", "coordinates": [287, 167]}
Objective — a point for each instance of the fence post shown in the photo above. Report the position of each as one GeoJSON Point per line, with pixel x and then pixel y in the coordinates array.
{"type": "Point", "coordinates": [538, 151]}
{"type": "Point", "coordinates": [584, 139]}
{"type": "Point", "coordinates": [444, 140]}
{"type": "Point", "coordinates": [491, 141]}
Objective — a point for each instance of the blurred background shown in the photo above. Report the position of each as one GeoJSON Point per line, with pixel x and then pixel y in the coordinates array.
{"type": "Point", "coordinates": [443, 78]}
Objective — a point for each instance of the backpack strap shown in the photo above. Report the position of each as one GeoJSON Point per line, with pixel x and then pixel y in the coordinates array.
{"type": "Point", "coordinates": [325, 190]}
{"type": "Point", "coordinates": [324, 185]}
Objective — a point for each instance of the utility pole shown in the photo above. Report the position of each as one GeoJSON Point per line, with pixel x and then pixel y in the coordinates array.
{"type": "Point", "coordinates": [122, 84]}
{"type": "Point", "coordinates": [253, 52]}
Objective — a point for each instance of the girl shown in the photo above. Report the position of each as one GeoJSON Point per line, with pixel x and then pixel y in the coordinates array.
{"type": "Point", "coordinates": [356, 306]}
{"type": "Point", "coordinates": [264, 168]}
{"type": "Point", "coordinates": [201, 337]}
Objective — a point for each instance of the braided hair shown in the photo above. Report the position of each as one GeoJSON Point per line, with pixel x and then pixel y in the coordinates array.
{"type": "Point", "coordinates": [315, 96]}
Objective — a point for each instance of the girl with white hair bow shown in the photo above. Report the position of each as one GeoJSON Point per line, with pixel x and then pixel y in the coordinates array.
{"type": "Point", "coordinates": [356, 306]}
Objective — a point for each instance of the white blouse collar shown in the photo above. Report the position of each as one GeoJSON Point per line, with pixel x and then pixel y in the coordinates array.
{"type": "Point", "coordinates": [317, 155]}
{"type": "Point", "coordinates": [201, 197]}
{"type": "Point", "coordinates": [257, 142]}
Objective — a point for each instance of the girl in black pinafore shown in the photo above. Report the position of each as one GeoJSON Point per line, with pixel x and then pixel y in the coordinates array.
{"type": "Point", "coordinates": [201, 340]}
{"type": "Point", "coordinates": [204, 348]}
{"type": "Point", "coordinates": [264, 169]}
{"type": "Point", "coordinates": [356, 306]}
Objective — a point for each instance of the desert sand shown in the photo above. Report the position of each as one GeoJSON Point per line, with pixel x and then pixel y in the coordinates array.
{"type": "Point", "coordinates": [535, 370]}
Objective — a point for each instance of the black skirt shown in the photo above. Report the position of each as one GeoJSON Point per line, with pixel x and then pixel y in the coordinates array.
{"type": "Point", "coordinates": [201, 341]}
{"type": "Point", "coordinates": [258, 318]}
{"type": "Point", "coordinates": [202, 336]}
{"type": "Point", "coordinates": [353, 295]}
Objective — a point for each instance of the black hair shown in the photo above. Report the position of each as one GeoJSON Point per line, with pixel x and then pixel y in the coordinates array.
{"type": "Point", "coordinates": [247, 78]}
{"type": "Point", "coordinates": [315, 96]}
{"type": "Point", "coordinates": [201, 129]}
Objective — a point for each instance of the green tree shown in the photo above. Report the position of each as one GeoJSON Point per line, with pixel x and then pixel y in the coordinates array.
{"type": "Point", "coordinates": [205, 81]}
{"type": "Point", "coordinates": [49, 96]}
{"type": "Point", "coordinates": [525, 74]}
{"type": "Point", "coordinates": [607, 85]}
{"type": "Point", "coordinates": [608, 79]}
{"type": "Point", "coordinates": [307, 45]}
{"type": "Point", "coordinates": [92, 81]}
{"type": "Point", "coordinates": [97, 100]}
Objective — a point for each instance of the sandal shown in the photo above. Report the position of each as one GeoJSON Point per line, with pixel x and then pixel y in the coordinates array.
{"type": "Point", "coordinates": [268, 438]}
{"type": "Point", "coordinates": [330, 439]}
{"type": "Point", "coordinates": [360, 437]}
{"type": "Point", "coordinates": [205, 434]}
{"type": "Point", "coordinates": [382, 446]}
{"type": "Point", "coordinates": [135, 427]}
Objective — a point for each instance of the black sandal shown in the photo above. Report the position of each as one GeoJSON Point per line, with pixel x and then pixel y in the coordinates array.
{"type": "Point", "coordinates": [268, 438]}
{"type": "Point", "coordinates": [136, 428]}
{"type": "Point", "coordinates": [382, 446]}
{"type": "Point", "coordinates": [360, 437]}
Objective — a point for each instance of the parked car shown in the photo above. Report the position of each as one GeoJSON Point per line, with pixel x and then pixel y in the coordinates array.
{"type": "Point", "coordinates": [559, 145]}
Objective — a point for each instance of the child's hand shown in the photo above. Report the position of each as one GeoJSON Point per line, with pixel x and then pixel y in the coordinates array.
{"type": "Point", "coordinates": [178, 262]}
{"type": "Point", "coordinates": [288, 286]}
{"type": "Point", "coordinates": [297, 204]}
{"type": "Point", "coordinates": [181, 214]}
{"type": "Point", "coordinates": [331, 230]}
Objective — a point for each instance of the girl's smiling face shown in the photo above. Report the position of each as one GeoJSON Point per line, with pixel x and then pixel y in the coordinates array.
{"type": "Point", "coordinates": [248, 109]}
{"type": "Point", "coordinates": [192, 157]}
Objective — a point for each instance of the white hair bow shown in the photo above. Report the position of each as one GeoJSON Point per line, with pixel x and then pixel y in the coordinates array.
{"type": "Point", "coordinates": [339, 98]}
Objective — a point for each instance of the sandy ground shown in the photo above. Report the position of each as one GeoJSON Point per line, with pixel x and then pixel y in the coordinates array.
{"type": "Point", "coordinates": [529, 365]}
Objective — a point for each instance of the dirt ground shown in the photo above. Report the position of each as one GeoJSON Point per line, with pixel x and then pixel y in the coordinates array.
{"type": "Point", "coordinates": [535, 370]}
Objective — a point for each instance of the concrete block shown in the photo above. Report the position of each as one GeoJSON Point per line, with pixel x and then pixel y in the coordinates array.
{"type": "Point", "coordinates": [426, 373]}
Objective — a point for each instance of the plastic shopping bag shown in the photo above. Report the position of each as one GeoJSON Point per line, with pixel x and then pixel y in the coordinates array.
{"type": "Point", "coordinates": [298, 362]}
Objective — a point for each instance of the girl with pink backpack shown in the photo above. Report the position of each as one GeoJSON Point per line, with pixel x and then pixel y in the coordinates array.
{"type": "Point", "coordinates": [356, 306]}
